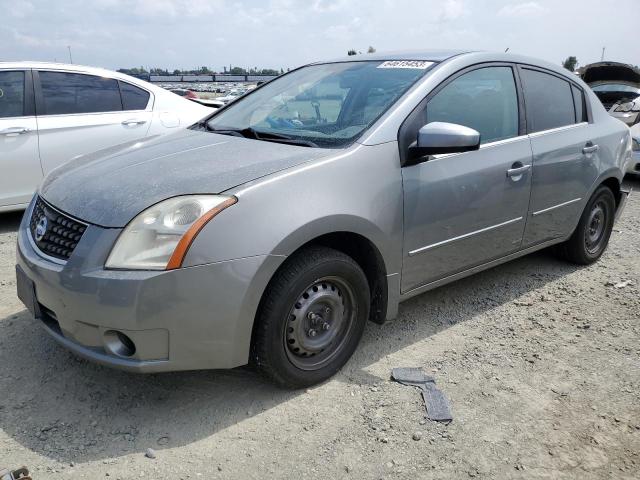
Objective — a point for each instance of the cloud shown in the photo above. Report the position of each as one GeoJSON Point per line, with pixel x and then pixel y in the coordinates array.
{"type": "Point", "coordinates": [17, 9]}
{"type": "Point", "coordinates": [453, 9]}
{"type": "Point", "coordinates": [526, 9]}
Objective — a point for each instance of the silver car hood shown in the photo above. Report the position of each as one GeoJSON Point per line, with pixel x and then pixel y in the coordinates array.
{"type": "Point", "coordinates": [110, 187]}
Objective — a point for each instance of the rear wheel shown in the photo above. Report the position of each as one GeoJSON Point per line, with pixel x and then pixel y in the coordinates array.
{"type": "Point", "coordinates": [311, 318]}
{"type": "Point", "coordinates": [591, 236]}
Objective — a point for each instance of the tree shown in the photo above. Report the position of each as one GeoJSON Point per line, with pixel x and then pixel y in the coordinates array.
{"type": "Point", "coordinates": [371, 49]}
{"type": "Point", "coordinates": [570, 63]}
{"type": "Point", "coordinates": [352, 52]}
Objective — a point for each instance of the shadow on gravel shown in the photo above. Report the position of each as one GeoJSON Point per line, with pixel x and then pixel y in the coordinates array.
{"type": "Point", "coordinates": [68, 409]}
{"type": "Point", "coordinates": [9, 222]}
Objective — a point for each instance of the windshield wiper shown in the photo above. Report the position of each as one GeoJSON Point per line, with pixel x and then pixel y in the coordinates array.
{"type": "Point", "coordinates": [252, 133]}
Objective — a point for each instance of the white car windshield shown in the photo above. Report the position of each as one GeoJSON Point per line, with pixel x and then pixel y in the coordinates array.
{"type": "Point", "coordinates": [615, 87]}
{"type": "Point", "coordinates": [326, 105]}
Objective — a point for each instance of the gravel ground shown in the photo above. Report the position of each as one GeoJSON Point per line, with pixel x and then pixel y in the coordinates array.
{"type": "Point", "coordinates": [540, 359]}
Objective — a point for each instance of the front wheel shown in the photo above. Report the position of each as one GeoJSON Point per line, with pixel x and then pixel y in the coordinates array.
{"type": "Point", "coordinates": [311, 318]}
{"type": "Point", "coordinates": [591, 236]}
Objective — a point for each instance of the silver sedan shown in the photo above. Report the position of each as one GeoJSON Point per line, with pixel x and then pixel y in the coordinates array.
{"type": "Point", "coordinates": [272, 231]}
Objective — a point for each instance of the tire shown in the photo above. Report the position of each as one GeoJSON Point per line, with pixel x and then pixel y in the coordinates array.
{"type": "Point", "coordinates": [311, 318]}
{"type": "Point", "coordinates": [591, 237]}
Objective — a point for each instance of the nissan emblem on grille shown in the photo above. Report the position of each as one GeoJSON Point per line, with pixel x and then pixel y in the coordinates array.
{"type": "Point", "coordinates": [41, 229]}
{"type": "Point", "coordinates": [54, 233]}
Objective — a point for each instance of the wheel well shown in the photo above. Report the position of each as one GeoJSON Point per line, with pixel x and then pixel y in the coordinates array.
{"type": "Point", "coordinates": [370, 260]}
{"type": "Point", "coordinates": [614, 185]}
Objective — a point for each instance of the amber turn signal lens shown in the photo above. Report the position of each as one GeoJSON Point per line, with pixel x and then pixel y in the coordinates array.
{"type": "Point", "coordinates": [187, 239]}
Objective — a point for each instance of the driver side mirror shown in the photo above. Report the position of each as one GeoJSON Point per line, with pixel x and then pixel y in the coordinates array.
{"type": "Point", "coordinates": [441, 137]}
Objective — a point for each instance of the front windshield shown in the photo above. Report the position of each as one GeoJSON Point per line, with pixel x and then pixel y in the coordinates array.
{"type": "Point", "coordinates": [326, 105]}
{"type": "Point", "coordinates": [615, 87]}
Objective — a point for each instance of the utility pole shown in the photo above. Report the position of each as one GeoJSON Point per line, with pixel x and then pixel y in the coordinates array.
{"type": "Point", "coordinates": [70, 57]}
{"type": "Point", "coordinates": [602, 58]}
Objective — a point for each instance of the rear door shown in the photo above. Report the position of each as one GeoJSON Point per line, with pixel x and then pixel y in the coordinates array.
{"type": "Point", "coordinates": [565, 156]}
{"type": "Point", "coordinates": [20, 170]}
{"type": "Point", "coordinates": [465, 209]}
{"type": "Point", "coordinates": [80, 113]}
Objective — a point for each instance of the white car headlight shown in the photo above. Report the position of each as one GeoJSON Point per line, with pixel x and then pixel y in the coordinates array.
{"type": "Point", "coordinates": [159, 237]}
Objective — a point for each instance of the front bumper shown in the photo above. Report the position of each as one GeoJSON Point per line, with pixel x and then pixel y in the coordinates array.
{"type": "Point", "coordinates": [191, 318]}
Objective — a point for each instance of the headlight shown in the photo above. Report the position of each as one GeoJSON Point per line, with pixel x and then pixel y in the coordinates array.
{"type": "Point", "coordinates": [635, 145]}
{"type": "Point", "coordinates": [159, 237]}
{"type": "Point", "coordinates": [627, 107]}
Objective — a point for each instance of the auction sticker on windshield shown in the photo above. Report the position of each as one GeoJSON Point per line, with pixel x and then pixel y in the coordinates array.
{"type": "Point", "coordinates": [418, 64]}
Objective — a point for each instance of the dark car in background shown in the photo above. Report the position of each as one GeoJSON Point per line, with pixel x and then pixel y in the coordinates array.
{"type": "Point", "coordinates": [617, 85]}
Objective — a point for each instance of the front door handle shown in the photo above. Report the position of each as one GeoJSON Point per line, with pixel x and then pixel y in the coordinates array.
{"type": "Point", "coordinates": [126, 123]}
{"type": "Point", "coordinates": [590, 148]}
{"type": "Point", "coordinates": [517, 171]}
{"type": "Point", "coordinates": [14, 131]}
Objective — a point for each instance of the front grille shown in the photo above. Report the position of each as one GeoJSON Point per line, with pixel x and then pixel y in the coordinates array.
{"type": "Point", "coordinates": [53, 232]}
{"type": "Point", "coordinates": [608, 105]}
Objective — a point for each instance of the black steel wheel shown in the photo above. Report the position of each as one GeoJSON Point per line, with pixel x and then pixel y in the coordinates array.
{"type": "Point", "coordinates": [591, 236]}
{"type": "Point", "coordinates": [311, 317]}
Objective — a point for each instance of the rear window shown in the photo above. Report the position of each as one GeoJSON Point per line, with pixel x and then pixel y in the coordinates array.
{"type": "Point", "coordinates": [67, 93]}
{"type": "Point", "coordinates": [133, 98]}
{"type": "Point", "coordinates": [11, 94]}
{"type": "Point", "coordinates": [549, 101]}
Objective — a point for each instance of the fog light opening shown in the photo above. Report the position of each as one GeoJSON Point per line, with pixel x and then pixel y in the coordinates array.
{"type": "Point", "coordinates": [119, 344]}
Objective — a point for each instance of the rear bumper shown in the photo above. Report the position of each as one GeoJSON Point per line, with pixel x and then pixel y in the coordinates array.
{"type": "Point", "coordinates": [185, 319]}
{"type": "Point", "coordinates": [624, 196]}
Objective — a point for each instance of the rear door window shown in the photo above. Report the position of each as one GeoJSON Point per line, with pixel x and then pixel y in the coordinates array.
{"type": "Point", "coordinates": [548, 99]}
{"type": "Point", "coordinates": [133, 98]}
{"type": "Point", "coordinates": [68, 93]}
{"type": "Point", "coordinates": [12, 95]}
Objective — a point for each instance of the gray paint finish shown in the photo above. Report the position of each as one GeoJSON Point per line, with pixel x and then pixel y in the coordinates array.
{"type": "Point", "coordinates": [109, 188]}
{"type": "Point", "coordinates": [431, 223]}
{"type": "Point", "coordinates": [461, 210]}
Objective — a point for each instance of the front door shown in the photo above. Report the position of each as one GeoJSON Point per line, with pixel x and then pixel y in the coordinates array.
{"type": "Point", "coordinates": [465, 209]}
{"type": "Point", "coordinates": [20, 170]}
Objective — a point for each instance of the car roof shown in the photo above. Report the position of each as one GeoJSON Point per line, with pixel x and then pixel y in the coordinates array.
{"type": "Point", "coordinates": [57, 66]}
{"type": "Point", "coordinates": [67, 67]}
{"type": "Point", "coordinates": [422, 55]}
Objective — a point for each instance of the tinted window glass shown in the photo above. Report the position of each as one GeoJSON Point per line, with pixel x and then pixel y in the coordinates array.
{"type": "Point", "coordinates": [11, 94]}
{"type": "Point", "coordinates": [133, 98]}
{"type": "Point", "coordinates": [578, 101]}
{"type": "Point", "coordinates": [483, 99]}
{"type": "Point", "coordinates": [548, 99]}
{"type": "Point", "coordinates": [76, 93]}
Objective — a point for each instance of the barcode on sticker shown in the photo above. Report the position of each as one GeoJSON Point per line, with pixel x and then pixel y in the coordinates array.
{"type": "Point", "coordinates": [419, 64]}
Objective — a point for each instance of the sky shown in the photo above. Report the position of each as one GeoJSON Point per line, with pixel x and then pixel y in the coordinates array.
{"type": "Point", "coordinates": [278, 34]}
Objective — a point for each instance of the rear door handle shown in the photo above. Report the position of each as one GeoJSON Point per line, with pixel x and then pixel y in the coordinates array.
{"type": "Point", "coordinates": [516, 172]}
{"type": "Point", "coordinates": [14, 131]}
{"type": "Point", "coordinates": [590, 149]}
{"type": "Point", "coordinates": [126, 123]}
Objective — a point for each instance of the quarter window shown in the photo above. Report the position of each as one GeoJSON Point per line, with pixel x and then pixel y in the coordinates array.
{"type": "Point", "coordinates": [11, 94]}
{"type": "Point", "coordinates": [484, 99]}
{"type": "Point", "coordinates": [549, 101]}
{"type": "Point", "coordinates": [578, 102]}
{"type": "Point", "coordinates": [67, 93]}
{"type": "Point", "coordinates": [133, 98]}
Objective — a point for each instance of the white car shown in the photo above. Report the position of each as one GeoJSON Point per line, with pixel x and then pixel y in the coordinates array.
{"type": "Point", "coordinates": [634, 166]}
{"type": "Point", "coordinates": [51, 113]}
